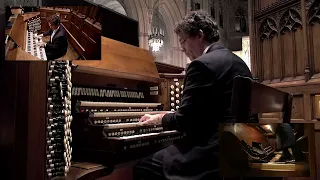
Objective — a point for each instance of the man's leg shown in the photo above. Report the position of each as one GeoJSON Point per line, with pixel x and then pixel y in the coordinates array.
{"type": "Point", "coordinates": [150, 167]}
{"type": "Point", "coordinates": [286, 139]}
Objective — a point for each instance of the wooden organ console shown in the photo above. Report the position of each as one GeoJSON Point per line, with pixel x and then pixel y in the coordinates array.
{"type": "Point", "coordinates": [251, 150]}
{"type": "Point", "coordinates": [22, 36]}
{"type": "Point", "coordinates": [109, 97]}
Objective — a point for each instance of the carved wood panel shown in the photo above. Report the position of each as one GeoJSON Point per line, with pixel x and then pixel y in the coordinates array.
{"type": "Point", "coordinates": [265, 3]}
{"type": "Point", "coordinates": [280, 45]}
{"type": "Point", "coordinates": [285, 53]}
{"type": "Point", "coordinates": [313, 17]}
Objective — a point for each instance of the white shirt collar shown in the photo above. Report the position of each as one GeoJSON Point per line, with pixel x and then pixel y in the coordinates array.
{"type": "Point", "coordinates": [206, 49]}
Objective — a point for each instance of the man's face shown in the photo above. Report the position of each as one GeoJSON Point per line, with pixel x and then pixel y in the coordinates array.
{"type": "Point", "coordinates": [191, 45]}
{"type": "Point", "coordinates": [52, 26]}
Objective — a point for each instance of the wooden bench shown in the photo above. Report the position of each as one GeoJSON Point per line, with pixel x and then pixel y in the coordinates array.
{"type": "Point", "coordinates": [250, 97]}
{"type": "Point", "coordinates": [76, 45]}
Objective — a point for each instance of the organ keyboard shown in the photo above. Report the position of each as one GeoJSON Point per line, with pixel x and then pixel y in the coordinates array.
{"type": "Point", "coordinates": [117, 123]}
{"type": "Point", "coordinates": [32, 46]}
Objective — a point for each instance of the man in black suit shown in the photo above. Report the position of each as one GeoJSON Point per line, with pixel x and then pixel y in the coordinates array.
{"type": "Point", "coordinates": [58, 44]}
{"type": "Point", "coordinates": [206, 102]}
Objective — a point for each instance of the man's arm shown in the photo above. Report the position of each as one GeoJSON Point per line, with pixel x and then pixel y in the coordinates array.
{"type": "Point", "coordinates": [47, 33]}
{"type": "Point", "coordinates": [56, 45]}
{"type": "Point", "coordinates": [198, 83]}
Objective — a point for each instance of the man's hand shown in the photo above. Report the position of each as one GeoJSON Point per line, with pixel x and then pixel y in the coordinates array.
{"type": "Point", "coordinates": [148, 119]}
{"type": "Point", "coordinates": [41, 44]}
{"type": "Point", "coordinates": [38, 36]}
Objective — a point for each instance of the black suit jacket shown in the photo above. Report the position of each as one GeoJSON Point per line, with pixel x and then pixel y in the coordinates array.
{"type": "Point", "coordinates": [59, 44]}
{"type": "Point", "coordinates": [205, 103]}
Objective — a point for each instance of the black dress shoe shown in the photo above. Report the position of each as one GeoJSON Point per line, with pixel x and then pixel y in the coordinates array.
{"type": "Point", "coordinates": [285, 159]}
{"type": "Point", "coordinates": [291, 160]}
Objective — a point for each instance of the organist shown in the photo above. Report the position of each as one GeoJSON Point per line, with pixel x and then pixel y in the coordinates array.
{"type": "Point", "coordinates": [57, 46]}
{"type": "Point", "coordinates": [206, 101]}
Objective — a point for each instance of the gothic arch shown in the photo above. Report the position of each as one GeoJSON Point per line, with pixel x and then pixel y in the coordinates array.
{"type": "Point", "coordinates": [115, 5]}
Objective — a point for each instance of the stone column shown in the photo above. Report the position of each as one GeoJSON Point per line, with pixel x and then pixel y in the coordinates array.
{"type": "Point", "coordinates": [206, 6]}
{"type": "Point", "coordinates": [143, 40]}
{"type": "Point", "coordinates": [189, 6]}
{"type": "Point", "coordinates": [175, 56]}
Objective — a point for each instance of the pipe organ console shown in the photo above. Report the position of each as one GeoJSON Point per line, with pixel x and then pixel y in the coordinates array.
{"type": "Point", "coordinates": [23, 33]}
{"type": "Point", "coordinates": [107, 104]}
{"type": "Point", "coordinates": [100, 125]}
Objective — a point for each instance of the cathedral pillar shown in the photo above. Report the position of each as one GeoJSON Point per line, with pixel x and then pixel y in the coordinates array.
{"type": "Point", "coordinates": [143, 40]}
{"type": "Point", "coordinates": [189, 6]}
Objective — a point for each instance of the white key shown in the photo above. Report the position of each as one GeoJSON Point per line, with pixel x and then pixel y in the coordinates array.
{"type": "Point", "coordinates": [144, 136]}
{"type": "Point", "coordinates": [124, 114]}
{"type": "Point", "coordinates": [118, 104]}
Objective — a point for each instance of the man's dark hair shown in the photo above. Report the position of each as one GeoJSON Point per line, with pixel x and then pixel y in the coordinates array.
{"type": "Point", "coordinates": [54, 19]}
{"type": "Point", "coordinates": [196, 21]}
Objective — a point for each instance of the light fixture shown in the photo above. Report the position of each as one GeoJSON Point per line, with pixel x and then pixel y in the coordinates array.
{"type": "Point", "coordinates": [156, 35]}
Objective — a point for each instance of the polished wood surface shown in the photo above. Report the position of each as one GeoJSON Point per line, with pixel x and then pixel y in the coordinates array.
{"type": "Point", "coordinates": [121, 60]}
{"type": "Point", "coordinates": [18, 32]}
{"type": "Point", "coordinates": [23, 120]}
{"type": "Point", "coordinates": [250, 97]}
{"type": "Point", "coordinates": [87, 171]}
{"type": "Point", "coordinates": [168, 68]}
{"type": "Point", "coordinates": [78, 49]}
{"type": "Point", "coordinates": [29, 15]}
{"type": "Point", "coordinates": [18, 54]}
